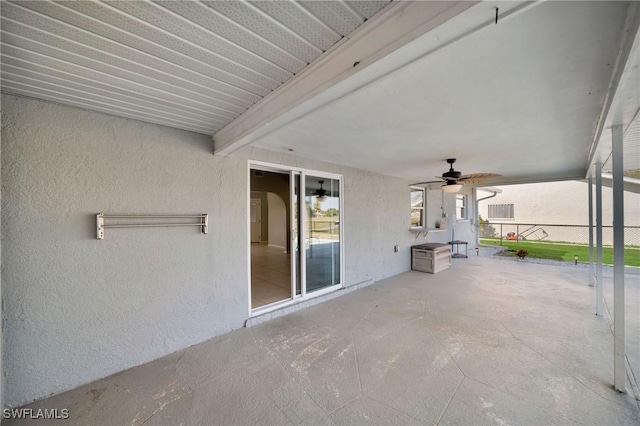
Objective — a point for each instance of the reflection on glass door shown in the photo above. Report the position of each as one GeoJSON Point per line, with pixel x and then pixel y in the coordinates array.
{"type": "Point", "coordinates": [322, 232]}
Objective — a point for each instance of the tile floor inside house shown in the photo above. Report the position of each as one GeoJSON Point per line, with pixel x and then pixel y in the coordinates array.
{"type": "Point", "coordinates": [485, 342]}
{"type": "Point", "coordinates": [270, 275]}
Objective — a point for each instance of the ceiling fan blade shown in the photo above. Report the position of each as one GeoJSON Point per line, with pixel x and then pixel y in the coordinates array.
{"type": "Point", "coordinates": [453, 177]}
{"type": "Point", "coordinates": [431, 181]}
{"type": "Point", "coordinates": [472, 181]}
{"type": "Point", "coordinates": [479, 176]}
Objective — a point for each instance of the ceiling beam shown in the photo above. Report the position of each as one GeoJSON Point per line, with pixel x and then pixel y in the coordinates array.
{"type": "Point", "coordinates": [383, 45]}
{"type": "Point", "coordinates": [395, 26]}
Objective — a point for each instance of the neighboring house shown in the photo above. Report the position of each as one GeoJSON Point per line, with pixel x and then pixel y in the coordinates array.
{"type": "Point", "coordinates": [540, 209]}
{"type": "Point", "coordinates": [554, 203]}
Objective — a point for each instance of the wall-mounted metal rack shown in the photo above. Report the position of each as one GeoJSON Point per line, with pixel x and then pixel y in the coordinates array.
{"type": "Point", "coordinates": [203, 222]}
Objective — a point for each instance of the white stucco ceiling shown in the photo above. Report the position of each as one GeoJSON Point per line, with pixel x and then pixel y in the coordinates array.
{"type": "Point", "coordinates": [193, 65]}
{"type": "Point", "coordinates": [520, 98]}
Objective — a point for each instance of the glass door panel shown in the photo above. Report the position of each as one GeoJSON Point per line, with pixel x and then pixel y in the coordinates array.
{"type": "Point", "coordinates": [295, 251]}
{"type": "Point", "coordinates": [321, 232]}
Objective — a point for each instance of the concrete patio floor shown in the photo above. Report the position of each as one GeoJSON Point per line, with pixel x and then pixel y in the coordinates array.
{"type": "Point", "coordinates": [486, 342]}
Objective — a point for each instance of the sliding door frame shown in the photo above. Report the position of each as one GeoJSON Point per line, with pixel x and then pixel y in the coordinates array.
{"type": "Point", "coordinates": [302, 172]}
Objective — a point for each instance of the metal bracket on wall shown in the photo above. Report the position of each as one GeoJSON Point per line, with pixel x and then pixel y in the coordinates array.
{"type": "Point", "coordinates": [203, 222]}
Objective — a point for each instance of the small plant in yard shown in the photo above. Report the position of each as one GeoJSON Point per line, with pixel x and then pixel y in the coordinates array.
{"type": "Point", "coordinates": [522, 254]}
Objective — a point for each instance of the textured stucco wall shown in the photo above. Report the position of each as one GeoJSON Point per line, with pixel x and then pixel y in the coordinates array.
{"type": "Point", "coordinates": [439, 202]}
{"type": "Point", "coordinates": [466, 229]}
{"type": "Point", "coordinates": [78, 309]}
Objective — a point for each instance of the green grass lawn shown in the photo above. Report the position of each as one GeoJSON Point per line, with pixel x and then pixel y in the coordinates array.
{"type": "Point", "coordinates": [564, 251]}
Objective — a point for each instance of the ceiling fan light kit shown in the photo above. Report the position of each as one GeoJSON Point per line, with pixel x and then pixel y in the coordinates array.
{"type": "Point", "coordinates": [452, 187]}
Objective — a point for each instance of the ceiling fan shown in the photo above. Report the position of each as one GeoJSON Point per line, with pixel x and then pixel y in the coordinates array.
{"type": "Point", "coordinates": [453, 179]}
{"type": "Point", "coordinates": [321, 193]}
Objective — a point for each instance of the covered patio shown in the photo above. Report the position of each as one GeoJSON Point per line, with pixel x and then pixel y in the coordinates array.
{"type": "Point", "coordinates": [489, 341]}
{"type": "Point", "coordinates": [163, 109]}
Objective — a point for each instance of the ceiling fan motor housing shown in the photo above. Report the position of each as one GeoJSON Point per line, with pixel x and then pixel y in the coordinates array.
{"type": "Point", "coordinates": [451, 174]}
{"type": "Point", "coordinates": [321, 192]}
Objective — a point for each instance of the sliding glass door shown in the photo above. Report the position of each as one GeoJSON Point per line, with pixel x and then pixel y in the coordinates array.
{"type": "Point", "coordinates": [312, 234]}
{"type": "Point", "coordinates": [322, 232]}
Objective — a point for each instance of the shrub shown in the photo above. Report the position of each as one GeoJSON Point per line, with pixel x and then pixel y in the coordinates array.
{"type": "Point", "coordinates": [486, 229]}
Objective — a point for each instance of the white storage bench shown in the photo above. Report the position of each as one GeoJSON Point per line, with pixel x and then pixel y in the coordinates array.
{"type": "Point", "coordinates": [430, 257]}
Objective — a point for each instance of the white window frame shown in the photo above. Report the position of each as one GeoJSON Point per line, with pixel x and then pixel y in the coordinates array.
{"type": "Point", "coordinates": [423, 216]}
{"type": "Point", "coordinates": [465, 207]}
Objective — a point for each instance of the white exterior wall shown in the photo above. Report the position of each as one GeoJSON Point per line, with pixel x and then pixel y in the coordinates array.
{"type": "Point", "coordinates": [465, 229]}
{"type": "Point", "coordinates": [78, 309]}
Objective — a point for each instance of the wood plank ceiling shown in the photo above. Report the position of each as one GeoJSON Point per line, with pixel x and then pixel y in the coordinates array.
{"type": "Point", "coordinates": [193, 65]}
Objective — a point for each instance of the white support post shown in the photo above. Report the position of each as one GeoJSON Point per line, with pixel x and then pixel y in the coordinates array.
{"type": "Point", "coordinates": [599, 292]}
{"type": "Point", "coordinates": [590, 187]}
{"type": "Point", "coordinates": [619, 371]}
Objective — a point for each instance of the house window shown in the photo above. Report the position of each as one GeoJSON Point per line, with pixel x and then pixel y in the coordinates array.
{"type": "Point", "coordinates": [417, 207]}
{"type": "Point", "coordinates": [501, 211]}
{"type": "Point", "coordinates": [462, 212]}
